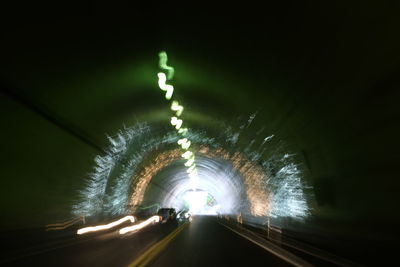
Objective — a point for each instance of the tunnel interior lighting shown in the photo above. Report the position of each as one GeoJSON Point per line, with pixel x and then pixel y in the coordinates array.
{"type": "Point", "coordinates": [105, 226]}
{"type": "Point", "coordinates": [196, 201]}
{"type": "Point", "coordinates": [191, 169]}
{"type": "Point", "coordinates": [263, 194]}
{"type": "Point", "coordinates": [192, 173]}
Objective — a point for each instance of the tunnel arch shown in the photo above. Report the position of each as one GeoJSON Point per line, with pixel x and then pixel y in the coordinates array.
{"type": "Point", "coordinates": [142, 160]}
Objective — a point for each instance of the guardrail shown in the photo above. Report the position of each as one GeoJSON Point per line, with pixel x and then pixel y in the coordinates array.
{"type": "Point", "coordinates": [278, 237]}
{"type": "Point", "coordinates": [264, 243]}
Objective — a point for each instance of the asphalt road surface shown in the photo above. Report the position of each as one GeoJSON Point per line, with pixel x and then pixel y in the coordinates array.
{"type": "Point", "coordinates": [202, 242]}
{"type": "Point", "coordinates": [205, 242]}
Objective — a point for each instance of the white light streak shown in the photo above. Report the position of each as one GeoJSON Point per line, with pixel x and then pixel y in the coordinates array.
{"type": "Point", "coordinates": [190, 163]}
{"type": "Point", "coordinates": [106, 226]}
{"type": "Point", "coordinates": [176, 122]}
{"type": "Point", "coordinates": [184, 143]}
{"type": "Point", "coordinates": [165, 87]}
{"type": "Point", "coordinates": [267, 139]}
{"type": "Point", "coordinates": [187, 155]}
{"type": "Point", "coordinates": [191, 169]}
{"type": "Point", "coordinates": [176, 107]}
{"type": "Point", "coordinates": [153, 219]}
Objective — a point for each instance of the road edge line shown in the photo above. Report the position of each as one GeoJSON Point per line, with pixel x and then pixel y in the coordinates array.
{"type": "Point", "coordinates": [270, 247]}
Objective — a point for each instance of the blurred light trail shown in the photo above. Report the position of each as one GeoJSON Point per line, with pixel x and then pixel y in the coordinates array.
{"type": "Point", "coordinates": [153, 219]}
{"type": "Point", "coordinates": [175, 106]}
{"type": "Point", "coordinates": [187, 155]}
{"type": "Point", "coordinates": [165, 87]}
{"type": "Point", "coordinates": [176, 122]}
{"type": "Point", "coordinates": [189, 163]}
{"type": "Point", "coordinates": [191, 169]}
{"type": "Point", "coordinates": [183, 131]}
{"type": "Point", "coordinates": [184, 143]}
{"type": "Point", "coordinates": [105, 226]}
{"type": "Point", "coordinates": [163, 64]}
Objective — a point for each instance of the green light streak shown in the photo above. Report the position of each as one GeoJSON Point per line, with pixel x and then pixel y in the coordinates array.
{"type": "Point", "coordinates": [178, 109]}
{"type": "Point", "coordinates": [183, 131]}
{"type": "Point", "coordinates": [163, 64]}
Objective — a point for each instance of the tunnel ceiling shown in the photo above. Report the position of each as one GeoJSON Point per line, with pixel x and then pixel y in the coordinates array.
{"type": "Point", "coordinates": [323, 77]}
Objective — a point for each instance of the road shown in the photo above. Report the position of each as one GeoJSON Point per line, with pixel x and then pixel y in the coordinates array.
{"type": "Point", "coordinates": [205, 242]}
{"type": "Point", "coordinates": [202, 242]}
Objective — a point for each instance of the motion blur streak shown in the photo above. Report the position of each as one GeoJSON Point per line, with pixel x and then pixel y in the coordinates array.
{"type": "Point", "coordinates": [176, 107]}
{"type": "Point", "coordinates": [153, 219]}
{"type": "Point", "coordinates": [106, 226]}
{"type": "Point", "coordinates": [165, 87]}
{"type": "Point", "coordinates": [163, 64]}
{"type": "Point", "coordinates": [185, 142]}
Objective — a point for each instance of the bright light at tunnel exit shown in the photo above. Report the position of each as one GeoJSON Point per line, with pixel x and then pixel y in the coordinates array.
{"type": "Point", "coordinates": [197, 202]}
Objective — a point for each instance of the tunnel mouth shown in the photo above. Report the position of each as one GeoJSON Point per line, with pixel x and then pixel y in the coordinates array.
{"type": "Point", "coordinates": [219, 188]}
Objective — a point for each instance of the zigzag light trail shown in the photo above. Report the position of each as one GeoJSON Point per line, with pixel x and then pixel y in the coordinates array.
{"type": "Point", "coordinates": [184, 143]}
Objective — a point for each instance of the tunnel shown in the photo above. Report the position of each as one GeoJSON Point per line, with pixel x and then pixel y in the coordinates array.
{"type": "Point", "coordinates": [288, 114]}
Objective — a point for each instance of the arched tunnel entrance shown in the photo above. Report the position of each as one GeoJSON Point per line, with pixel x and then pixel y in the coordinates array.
{"type": "Point", "coordinates": [143, 168]}
{"type": "Point", "coordinates": [291, 116]}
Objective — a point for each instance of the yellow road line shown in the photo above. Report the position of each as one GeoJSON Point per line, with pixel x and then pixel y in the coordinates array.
{"type": "Point", "coordinates": [153, 251]}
